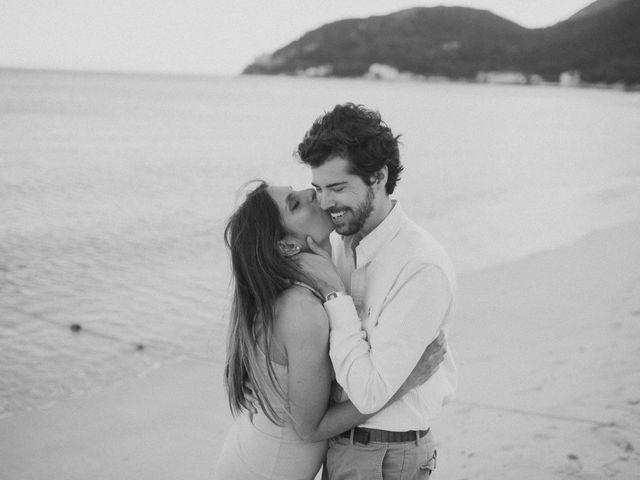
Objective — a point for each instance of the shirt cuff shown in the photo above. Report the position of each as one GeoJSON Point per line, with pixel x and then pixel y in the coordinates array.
{"type": "Point", "coordinates": [343, 317]}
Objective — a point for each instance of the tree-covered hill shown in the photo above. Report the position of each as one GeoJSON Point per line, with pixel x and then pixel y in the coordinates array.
{"type": "Point", "coordinates": [603, 43]}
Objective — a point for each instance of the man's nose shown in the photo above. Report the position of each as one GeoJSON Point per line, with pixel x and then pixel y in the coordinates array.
{"type": "Point", "coordinates": [326, 201]}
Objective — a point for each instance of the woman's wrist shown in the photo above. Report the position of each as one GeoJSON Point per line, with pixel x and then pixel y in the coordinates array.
{"type": "Point", "coordinates": [333, 295]}
{"type": "Point", "coordinates": [328, 288]}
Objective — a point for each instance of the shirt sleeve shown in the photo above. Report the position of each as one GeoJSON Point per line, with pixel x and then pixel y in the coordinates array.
{"type": "Point", "coordinates": [412, 313]}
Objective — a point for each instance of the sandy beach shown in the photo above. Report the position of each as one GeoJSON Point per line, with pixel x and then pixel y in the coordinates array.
{"type": "Point", "coordinates": [548, 349]}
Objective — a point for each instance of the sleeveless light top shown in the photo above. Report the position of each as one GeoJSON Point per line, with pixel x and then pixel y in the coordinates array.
{"type": "Point", "coordinates": [256, 448]}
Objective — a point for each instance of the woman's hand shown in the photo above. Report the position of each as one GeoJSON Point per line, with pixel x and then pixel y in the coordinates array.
{"type": "Point", "coordinates": [318, 267]}
{"type": "Point", "coordinates": [428, 364]}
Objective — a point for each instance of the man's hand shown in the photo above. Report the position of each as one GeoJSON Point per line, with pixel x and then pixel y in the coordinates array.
{"type": "Point", "coordinates": [318, 267]}
{"type": "Point", "coordinates": [428, 364]}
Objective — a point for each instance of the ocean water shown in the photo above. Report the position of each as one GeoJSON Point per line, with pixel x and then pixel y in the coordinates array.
{"type": "Point", "coordinates": [114, 191]}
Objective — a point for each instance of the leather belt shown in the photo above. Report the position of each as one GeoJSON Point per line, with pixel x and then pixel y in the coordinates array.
{"type": "Point", "coordinates": [366, 435]}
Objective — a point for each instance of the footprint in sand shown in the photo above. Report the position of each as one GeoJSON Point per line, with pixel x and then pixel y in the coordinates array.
{"type": "Point", "coordinates": [572, 468]}
{"type": "Point", "coordinates": [624, 445]}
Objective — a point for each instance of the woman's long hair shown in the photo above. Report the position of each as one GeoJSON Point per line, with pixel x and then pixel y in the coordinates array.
{"type": "Point", "coordinates": [260, 275]}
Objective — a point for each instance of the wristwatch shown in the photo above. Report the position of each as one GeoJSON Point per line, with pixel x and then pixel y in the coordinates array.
{"type": "Point", "coordinates": [332, 295]}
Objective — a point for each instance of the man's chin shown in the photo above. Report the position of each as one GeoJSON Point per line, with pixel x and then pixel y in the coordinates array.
{"type": "Point", "coordinates": [344, 229]}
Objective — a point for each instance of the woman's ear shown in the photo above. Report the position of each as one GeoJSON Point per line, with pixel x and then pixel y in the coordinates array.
{"type": "Point", "coordinates": [288, 247]}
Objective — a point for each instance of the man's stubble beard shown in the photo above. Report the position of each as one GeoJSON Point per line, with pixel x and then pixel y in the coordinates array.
{"type": "Point", "coordinates": [361, 213]}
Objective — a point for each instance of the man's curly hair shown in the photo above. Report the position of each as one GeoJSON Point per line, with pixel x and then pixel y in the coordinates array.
{"type": "Point", "coordinates": [360, 136]}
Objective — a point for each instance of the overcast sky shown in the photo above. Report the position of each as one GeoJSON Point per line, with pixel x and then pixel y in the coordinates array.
{"type": "Point", "coordinates": [198, 36]}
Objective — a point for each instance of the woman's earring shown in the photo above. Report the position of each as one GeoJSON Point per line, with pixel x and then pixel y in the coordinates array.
{"type": "Point", "coordinates": [289, 249]}
{"type": "Point", "coordinates": [294, 250]}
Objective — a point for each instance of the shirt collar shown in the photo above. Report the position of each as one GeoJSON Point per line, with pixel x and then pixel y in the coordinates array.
{"type": "Point", "coordinates": [378, 237]}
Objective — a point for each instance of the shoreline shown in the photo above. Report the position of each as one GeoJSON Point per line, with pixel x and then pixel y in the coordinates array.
{"type": "Point", "coordinates": [547, 348]}
{"type": "Point", "coordinates": [595, 232]}
{"type": "Point", "coordinates": [401, 78]}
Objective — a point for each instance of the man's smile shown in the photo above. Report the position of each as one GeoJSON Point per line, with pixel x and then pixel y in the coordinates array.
{"type": "Point", "coordinates": [338, 214]}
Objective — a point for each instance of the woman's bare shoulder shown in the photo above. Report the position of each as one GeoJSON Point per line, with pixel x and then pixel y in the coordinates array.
{"type": "Point", "coordinates": [300, 312]}
{"type": "Point", "coordinates": [297, 294]}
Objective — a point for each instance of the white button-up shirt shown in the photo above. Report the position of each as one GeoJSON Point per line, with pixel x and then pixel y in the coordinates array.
{"type": "Point", "coordinates": [402, 288]}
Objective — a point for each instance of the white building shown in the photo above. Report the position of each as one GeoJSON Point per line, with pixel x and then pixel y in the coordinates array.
{"type": "Point", "coordinates": [569, 79]}
{"type": "Point", "coordinates": [509, 78]}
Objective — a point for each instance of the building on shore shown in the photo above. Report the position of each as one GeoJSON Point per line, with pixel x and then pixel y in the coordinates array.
{"type": "Point", "coordinates": [569, 79]}
{"type": "Point", "coordinates": [508, 78]}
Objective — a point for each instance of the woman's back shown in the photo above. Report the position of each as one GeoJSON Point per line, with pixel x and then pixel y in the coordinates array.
{"type": "Point", "coordinates": [255, 446]}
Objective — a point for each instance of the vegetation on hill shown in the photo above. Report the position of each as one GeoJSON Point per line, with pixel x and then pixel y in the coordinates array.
{"type": "Point", "coordinates": [603, 45]}
{"type": "Point", "coordinates": [602, 42]}
{"type": "Point", "coordinates": [595, 8]}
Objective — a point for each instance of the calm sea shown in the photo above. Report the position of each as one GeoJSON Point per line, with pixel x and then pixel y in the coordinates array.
{"type": "Point", "coordinates": [114, 190]}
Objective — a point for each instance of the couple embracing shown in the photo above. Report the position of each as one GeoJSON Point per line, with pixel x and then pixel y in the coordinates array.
{"type": "Point", "coordinates": [336, 337]}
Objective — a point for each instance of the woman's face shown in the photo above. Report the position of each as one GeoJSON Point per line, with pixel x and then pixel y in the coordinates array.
{"type": "Point", "coordinates": [301, 215]}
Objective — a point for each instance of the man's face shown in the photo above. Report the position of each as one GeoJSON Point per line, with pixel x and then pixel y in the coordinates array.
{"type": "Point", "coordinates": [343, 195]}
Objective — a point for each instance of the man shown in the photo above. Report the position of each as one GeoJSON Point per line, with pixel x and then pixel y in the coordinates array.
{"type": "Point", "coordinates": [391, 290]}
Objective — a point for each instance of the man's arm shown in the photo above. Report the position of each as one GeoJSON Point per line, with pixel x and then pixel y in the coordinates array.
{"type": "Point", "coordinates": [414, 310]}
{"type": "Point", "coordinates": [343, 416]}
{"type": "Point", "coordinates": [413, 313]}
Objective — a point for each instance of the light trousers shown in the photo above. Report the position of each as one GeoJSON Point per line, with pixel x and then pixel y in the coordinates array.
{"type": "Point", "coordinates": [412, 460]}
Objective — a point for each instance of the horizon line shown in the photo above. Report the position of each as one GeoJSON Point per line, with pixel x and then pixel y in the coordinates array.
{"type": "Point", "coordinates": [107, 71]}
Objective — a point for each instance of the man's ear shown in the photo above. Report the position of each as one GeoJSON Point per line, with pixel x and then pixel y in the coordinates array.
{"type": "Point", "coordinates": [381, 176]}
{"type": "Point", "coordinates": [288, 247]}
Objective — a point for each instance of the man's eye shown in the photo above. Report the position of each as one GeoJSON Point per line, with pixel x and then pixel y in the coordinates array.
{"type": "Point", "coordinates": [338, 189]}
{"type": "Point", "coordinates": [294, 205]}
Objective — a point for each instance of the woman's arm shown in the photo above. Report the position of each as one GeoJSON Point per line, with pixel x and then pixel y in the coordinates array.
{"type": "Point", "coordinates": [304, 330]}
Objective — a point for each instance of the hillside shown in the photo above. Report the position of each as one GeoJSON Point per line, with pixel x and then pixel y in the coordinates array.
{"type": "Point", "coordinates": [596, 8]}
{"type": "Point", "coordinates": [603, 44]}
{"type": "Point", "coordinates": [451, 41]}
{"type": "Point", "coordinates": [456, 42]}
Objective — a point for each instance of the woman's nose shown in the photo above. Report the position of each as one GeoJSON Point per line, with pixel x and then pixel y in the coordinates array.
{"type": "Point", "coordinates": [311, 195]}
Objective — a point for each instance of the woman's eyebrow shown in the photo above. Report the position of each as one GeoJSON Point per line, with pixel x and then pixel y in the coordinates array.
{"type": "Point", "coordinates": [289, 199]}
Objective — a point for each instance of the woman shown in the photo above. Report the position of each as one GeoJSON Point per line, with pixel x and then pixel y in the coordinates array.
{"type": "Point", "coordinates": [278, 341]}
